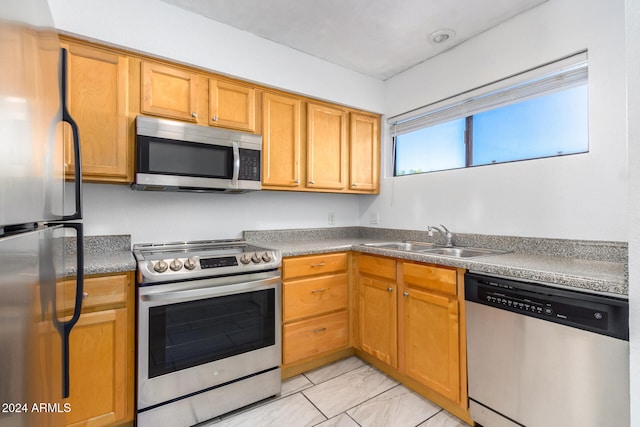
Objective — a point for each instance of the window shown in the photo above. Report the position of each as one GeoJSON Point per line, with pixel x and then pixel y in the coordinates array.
{"type": "Point", "coordinates": [540, 113]}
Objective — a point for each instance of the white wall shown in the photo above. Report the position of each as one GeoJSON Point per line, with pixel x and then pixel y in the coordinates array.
{"type": "Point", "coordinates": [633, 93]}
{"type": "Point", "coordinates": [158, 216]}
{"type": "Point", "coordinates": [577, 197]}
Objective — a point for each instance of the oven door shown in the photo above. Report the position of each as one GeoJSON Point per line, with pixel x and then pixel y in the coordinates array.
{"type": "Point", "coordinates": [196, 335]}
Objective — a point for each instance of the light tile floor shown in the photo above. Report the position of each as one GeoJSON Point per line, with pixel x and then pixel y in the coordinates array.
{"type": "Point", "coordinates": [347, 393]}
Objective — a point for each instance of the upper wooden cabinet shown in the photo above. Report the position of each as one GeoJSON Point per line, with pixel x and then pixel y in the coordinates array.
{"type": "Point", "coordinates": [318, 147]}
{"type": "Point", "coordinates": [364, 152]}
{"type": "Point", "coordinates": [281, 143]}
{"type": "Point", "coordinates": [97, 97]}
{"type": "Point", "coordinates": [308, 145]}
{"type": "Point", "coordinates": [232, 105]}
{"type": "Point", "coordinates": [326, 147]}
{"type": "Point", "coordinates": [168, 92]}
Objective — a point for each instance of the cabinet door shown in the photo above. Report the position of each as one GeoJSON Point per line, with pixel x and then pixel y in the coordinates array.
{"type": "Point", "coordinates": [97, 99]}
{"type": "Point", "coordinates": [431, 341]}
{"type": "Point", "coordinates": [280, 141]}
{"type": "Point", "coordinates": [232, 105]}
{"type": "Point", "coordinates": [169, 92]}
{"type": "Point", "coordinates": [364, 153]}
{"type": "Point", "coordinates": [326, 147]}
{"type": "Point", "coordinates": [97, 368]}
{"type": "Point", "coordinates": [377, 319]}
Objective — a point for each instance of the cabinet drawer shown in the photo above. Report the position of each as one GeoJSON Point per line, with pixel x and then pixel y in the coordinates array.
{"type": "Point", "coordinates": [313, 265]}
{"type": "Point", "coordinates": [311, 337]}
{"type": "Point", "coordinates": [377, 266]}
{"type": "Point", "coordinates": [317, 295]}
{"type": "Point", "coordinates": [441, 279]}
{"type": "Point", "coordinates": [98, 291]}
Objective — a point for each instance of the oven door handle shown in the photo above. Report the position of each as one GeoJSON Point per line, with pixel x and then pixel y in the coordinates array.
{"type": "Point", "coordinates": [212, 291]}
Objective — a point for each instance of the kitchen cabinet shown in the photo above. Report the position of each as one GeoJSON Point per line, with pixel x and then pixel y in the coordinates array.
{"type": "Point", "coordinates": [364, 154]}
{"type": "Point", "coordinates": [97, 98]}
{"type": "Point", "coordinates": [326, 147]}
{"type": "Point", "coordinates": [315, 311]}
{"type": "Point", "coordinates": [281, 141]}
{"type": "Point", "coordinates": [101, 352]}
{"type": "Point", "coordinates": [309, 146]}
{"type": "Point", "coordinates": [168, 91]}
{"type": "Point", "coordinates": [410, 324]}
{"type": "Point", "coordinates": [377, 308]}
{"type": "Point", "coordinates": [431, 342]}
{"type": "Point", "coordinates": [232, 105]}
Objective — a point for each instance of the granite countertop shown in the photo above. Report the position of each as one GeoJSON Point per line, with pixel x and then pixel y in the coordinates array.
{"type": "Point", "coordinates": [603, 277]}
{"type": "Point", "coordinates": [102, 255]}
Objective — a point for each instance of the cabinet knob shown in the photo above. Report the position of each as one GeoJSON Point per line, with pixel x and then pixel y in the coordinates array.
{"type": "Point", "coordinates": [390, 289]}
{"type": "Point", "coordinates": [312, 182]}
{"type": "Point", "coordinates": [405, 294]}
{"type": "Point", "coordinates": [297, 181]}
{"type": "Point", "coordinates": [354, 185]}
{"type": "Point", "coordinates": [214, 118]}
{"type": "Point", "coordinates": [85, 295]}
{"type": "Point", "coordinates": [194, 115]}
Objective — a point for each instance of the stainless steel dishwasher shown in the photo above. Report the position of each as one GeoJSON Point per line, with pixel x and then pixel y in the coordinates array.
{"type": "Point", "coordinates": [540, 356]}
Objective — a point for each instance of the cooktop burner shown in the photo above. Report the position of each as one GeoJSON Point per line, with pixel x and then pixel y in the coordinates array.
{"type": "Point", "coordinates": [163, 262]}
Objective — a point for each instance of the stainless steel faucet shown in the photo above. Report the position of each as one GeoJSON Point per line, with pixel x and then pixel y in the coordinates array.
{"type": "Point", "coordinates": [446, 234]}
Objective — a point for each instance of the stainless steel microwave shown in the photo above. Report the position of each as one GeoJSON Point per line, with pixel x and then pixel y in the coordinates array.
{"type": "Point", "coordinates": [176, 156]}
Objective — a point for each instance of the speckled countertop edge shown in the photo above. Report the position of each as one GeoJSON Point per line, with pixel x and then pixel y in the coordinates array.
{"type": "Point", "coordinates": [102, 255]}
{"type": "Point", "coordinates": [603, 277]}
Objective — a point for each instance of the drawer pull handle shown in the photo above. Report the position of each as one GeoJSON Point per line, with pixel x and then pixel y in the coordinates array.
{"type": "Point", "coordinates": [320, 264]}
{"type": "Point", "coordinates": [317, 331]}
{"type": "Point", "coordinates": [85, 295]}
{"type": "Point", "coordinates": [317, 291]}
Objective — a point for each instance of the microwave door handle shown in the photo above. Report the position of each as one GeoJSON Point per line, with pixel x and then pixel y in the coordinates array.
{"type": "Point", "coordinates": [236, 164]}
{"type": "Point", "coordinates": [214, 291]}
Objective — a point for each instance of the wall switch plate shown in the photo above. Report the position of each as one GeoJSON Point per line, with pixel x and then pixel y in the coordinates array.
{"type": "Point", "coordinates": [332, 218]}
{"type": "Point", "coordinates": [374, 218]}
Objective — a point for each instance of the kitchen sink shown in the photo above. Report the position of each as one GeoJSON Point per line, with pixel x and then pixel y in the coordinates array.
{"type": "Point", "coordinates": [461, 252]}
{"type": "Point", "coordinates": [402, 246]}
{"type": "Point", "coordinates": [432, 249]}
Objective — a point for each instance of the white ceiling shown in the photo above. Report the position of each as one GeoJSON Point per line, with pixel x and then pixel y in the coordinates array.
{"type": "Point", "coordinates": [378, 38]}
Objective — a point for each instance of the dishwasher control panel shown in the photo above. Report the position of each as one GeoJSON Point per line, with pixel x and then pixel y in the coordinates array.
{"type": "Point", "coordinates": [596, 317]}
{"type": "Point", "coordinates": [596, 313]}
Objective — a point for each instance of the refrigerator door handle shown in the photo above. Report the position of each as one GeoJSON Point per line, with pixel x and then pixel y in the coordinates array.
{"type": "Point", "coordinates": [64, 327]}
{"type": "Point", "coordinates": [66, 117]}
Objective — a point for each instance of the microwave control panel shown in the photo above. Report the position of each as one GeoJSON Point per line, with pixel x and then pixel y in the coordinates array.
{"type": "Point", "coordinates": [249, 165]}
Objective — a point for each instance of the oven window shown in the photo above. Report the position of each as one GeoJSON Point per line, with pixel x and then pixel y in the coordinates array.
{"type": "Point", "coordinates": [193, 333]}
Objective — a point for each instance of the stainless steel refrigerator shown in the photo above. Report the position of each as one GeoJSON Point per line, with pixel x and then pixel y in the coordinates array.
{"type": "Point", "coordinates": [37, 311]}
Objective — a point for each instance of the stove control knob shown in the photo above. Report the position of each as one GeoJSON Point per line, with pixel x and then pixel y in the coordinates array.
{"type": "Point", "coordinates": [190, 263]}
{"type": "Point", "coordinates": [245, 259]}
{"type": "Point", "coordinates": [175, 265]}
{"type": "Point", "coordinates": [266, 257]}
{"type": "Point", "coordinates": [161, 266]}
{"type": "Point", "coordinates": [256, 258]}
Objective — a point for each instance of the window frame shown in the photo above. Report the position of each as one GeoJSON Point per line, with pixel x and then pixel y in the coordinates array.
{"type": "Point", "coordinates": [556, 76]}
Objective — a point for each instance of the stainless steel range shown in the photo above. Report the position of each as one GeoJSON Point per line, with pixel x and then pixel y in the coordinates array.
{"type": "Point", "coordinates": [209, 325]}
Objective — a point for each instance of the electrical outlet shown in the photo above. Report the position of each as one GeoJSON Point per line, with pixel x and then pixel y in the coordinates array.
{"type": "Point", "coordinates": [374, 218]}
{"type": "Point", "coordinates": [332, 218]}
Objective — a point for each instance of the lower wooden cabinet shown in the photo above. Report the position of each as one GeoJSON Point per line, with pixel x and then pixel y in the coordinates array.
{"type": "Point", "coordinates": [316, 321]}
{"type": "Point", "coordinates": [101, 353]}
{"type": "Point", "coordinates": [410, 324]}
{"type": "Point", "coordinates": [315, 336]}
